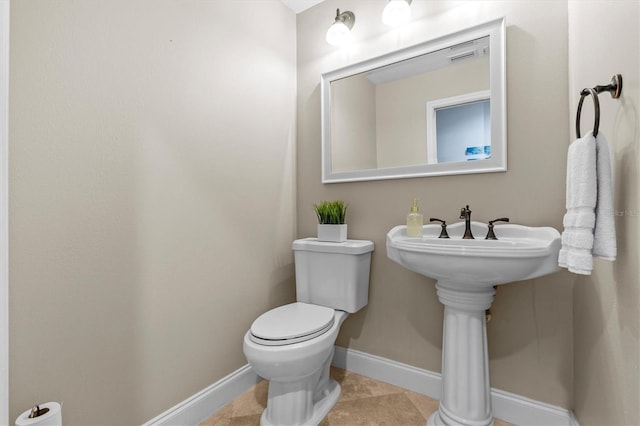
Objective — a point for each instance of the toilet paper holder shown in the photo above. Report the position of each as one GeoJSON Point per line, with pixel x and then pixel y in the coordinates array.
{"type": "Point", "coordinates": [36, 411]}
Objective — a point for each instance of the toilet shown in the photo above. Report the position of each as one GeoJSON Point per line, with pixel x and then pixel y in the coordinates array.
{"type": "Point", "coordinates": [292, 345]}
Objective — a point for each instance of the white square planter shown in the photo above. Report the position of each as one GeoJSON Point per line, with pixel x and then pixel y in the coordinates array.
{"type": "Point", "coordinates": [332, 233]}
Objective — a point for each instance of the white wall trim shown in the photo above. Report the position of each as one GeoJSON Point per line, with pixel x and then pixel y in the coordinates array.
{"type": "Point", "coordinates": [4, 212]}
{"type": "Point", "coordinates": [207, 402]}
{"type": "Point", "coordinates": [406, 376]}
{"type": "Point", "coordinates": [506, 406]}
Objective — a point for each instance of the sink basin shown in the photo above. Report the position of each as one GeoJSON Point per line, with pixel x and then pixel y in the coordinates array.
{"type": "Point", "coordinates": [467, 272]}
{"type": "Point", "coordinates": [519, 253]}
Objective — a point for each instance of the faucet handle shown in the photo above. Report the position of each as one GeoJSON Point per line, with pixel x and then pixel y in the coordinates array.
{"type": "Point", "coordinates": [491, 235]}
{"type": "Point", "coordinates": [465, 212]}
{"type": "Point", "coordinates": [443, 232]}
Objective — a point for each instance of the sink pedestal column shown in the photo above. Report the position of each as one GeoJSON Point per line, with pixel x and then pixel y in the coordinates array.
{"type": "Point", "coordinates": [466, 393]}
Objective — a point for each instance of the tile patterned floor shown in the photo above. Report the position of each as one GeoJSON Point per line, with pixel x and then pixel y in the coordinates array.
{"type": "Point", "coordinates": [363, 401]}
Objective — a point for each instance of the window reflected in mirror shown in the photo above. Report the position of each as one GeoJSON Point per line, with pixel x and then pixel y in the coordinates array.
{"type": "Point", "coordinates": [460, 128]}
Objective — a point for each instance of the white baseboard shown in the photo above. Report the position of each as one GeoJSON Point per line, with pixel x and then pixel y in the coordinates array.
{"type": "Point", "coordinates": [414, 379]}
{"type": "Point", "coordinates": [207, 402]}
{"type": "Point", "coordinates": [507, 406]}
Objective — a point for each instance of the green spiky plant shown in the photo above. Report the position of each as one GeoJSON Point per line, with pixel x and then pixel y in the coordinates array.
{"type": "Point", "coordinates": [331, 212]}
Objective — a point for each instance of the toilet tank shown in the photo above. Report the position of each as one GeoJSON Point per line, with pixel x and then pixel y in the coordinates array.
{"type": "Point", "coordinates": [335, 275]}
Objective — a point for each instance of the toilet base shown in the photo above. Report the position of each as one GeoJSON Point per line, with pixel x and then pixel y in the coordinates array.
{"type": "Point", "coordinates": [320, 409]}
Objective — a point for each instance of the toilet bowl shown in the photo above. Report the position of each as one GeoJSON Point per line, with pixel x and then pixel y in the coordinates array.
{"type": "Point", "coordinates": [292, 345]}
{"type": "Point", "coordinates": [300, 389]}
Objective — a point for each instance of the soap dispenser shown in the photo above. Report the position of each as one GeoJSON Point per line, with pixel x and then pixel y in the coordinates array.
{"type": "Point", "coordinates": [414, 221]}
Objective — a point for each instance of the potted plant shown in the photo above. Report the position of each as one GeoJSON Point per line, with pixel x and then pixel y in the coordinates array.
{"type": "Point", "coordinates": [331, 218]}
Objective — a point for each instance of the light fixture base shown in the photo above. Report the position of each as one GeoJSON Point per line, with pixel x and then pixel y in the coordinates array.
{"type": "Point", "coordinates": [347, 17]}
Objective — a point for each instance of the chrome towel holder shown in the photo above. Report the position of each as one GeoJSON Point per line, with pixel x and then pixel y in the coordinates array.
{"type": "Point", "coordinates": [614, 88]}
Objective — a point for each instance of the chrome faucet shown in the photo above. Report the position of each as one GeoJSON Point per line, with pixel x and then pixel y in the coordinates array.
{"type": "Point", "coordinates": [465, 214]}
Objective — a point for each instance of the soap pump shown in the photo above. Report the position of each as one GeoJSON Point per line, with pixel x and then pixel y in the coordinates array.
{"type": "Point", "coordinates": [414, 221]}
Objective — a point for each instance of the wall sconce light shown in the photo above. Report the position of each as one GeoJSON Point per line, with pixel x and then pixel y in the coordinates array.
{"type": "Point", "coordinates": [396, 13]}
{"type": "Point", "coordinates": [339, 32]}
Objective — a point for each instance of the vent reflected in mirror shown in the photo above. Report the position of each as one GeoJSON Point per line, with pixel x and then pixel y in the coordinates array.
{"type": "Point", "coordinates": [432, 109]}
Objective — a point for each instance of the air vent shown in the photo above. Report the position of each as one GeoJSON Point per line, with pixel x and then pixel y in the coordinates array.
{"type": "Point", "coordinates": [462, 56]}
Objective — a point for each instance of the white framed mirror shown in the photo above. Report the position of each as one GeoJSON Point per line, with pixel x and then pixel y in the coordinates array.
{"type": "Point", "coordinates": [436, 108]}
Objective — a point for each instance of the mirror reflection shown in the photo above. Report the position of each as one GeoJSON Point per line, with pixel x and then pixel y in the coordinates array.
{"type": "Point", "coordinates": [431, 109]}
{"type": "Point", "coordinates": [379, 117]}
{"type": "Point", "coordinates": [459, 128]}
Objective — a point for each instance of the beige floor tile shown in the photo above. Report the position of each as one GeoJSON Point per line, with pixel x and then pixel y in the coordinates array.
{"type": "Point", "coordinates": [252, 402]}
{"type": "Point", "coordinates": [355, 386]}
{"type": "Point", "coordinates": [245, 420]}
{"type": "Point", "coordinates": [363, 401]}
{"type": "Point", "coordinates": [394, 409]}
{"type": "Point", "coordinates": [423, 403]}
{"type": "Point", "coordinates": [221, 418]}
{"type": "Point", "coordinates": [244, 410]}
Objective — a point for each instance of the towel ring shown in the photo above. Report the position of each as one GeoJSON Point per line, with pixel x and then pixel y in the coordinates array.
{"type": "Point", "coordinates": [596, 105]}
{"type": "Point", "coordinates": [615, 90]}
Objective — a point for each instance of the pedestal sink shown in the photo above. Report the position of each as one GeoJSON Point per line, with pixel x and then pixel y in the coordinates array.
{"type": "Point", "coordinates": [466, 271]}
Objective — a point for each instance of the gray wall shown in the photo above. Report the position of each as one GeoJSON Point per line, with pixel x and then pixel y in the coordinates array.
{"type": "Point", "coordinates": [151, 197]}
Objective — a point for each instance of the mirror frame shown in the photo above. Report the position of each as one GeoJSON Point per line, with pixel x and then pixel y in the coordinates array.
{"type": "Point", "coordinates": [497, 86]}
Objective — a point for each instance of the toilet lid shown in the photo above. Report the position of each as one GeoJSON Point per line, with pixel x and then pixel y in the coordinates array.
{"type": "Point", "coordinates": [291, 323]}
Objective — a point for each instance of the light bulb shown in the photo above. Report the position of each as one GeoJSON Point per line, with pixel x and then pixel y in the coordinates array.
{"type": "Point", "coordinates": [396, 13]}
{"type": "Point", "coordinates": [338, 34]}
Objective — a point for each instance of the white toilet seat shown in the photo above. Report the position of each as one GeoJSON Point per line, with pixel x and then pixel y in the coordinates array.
{"type": "Point", "coordinates": [293, 323]}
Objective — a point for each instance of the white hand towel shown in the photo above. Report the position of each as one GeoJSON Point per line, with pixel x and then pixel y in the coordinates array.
{"type": "Point", "coordinates": [589, 221]}
{"type": "Point", "coordinates": [577, 238]}
{"type": "Point", "coordinates": [604, 240]}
